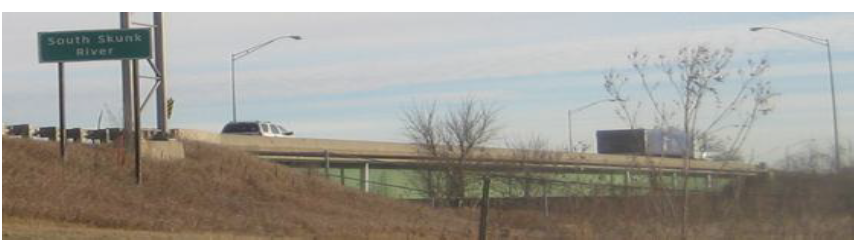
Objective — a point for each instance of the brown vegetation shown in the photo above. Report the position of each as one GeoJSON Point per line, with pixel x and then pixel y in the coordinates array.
{"type": "Point", "coordinates": [455, 139]}
{"type": "Point", "coordinates": [214, 190]}
{"type": "Point", "coordinates": [218, 193]}
{"type": "Point", "coordinates": [787, 205]}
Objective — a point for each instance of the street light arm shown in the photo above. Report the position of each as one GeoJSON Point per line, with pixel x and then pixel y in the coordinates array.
{"type": "Point", "coordinates": [246, 52]}
{"type": "Point", "coordinates": [242, 54]}
{"type": "Point", "coordinates": [817, 40]}
{"type": "Point", "coordinates": [576, 110]}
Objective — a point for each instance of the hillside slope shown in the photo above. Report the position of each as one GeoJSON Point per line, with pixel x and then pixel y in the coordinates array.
{"type": "Point", "coordinates": [214, 190]}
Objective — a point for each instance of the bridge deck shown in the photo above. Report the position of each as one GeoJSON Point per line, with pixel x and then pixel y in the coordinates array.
{"type": "Point", "coordinates": [404, 154]}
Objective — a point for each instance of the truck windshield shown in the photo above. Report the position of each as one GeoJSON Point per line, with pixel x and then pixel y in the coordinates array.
{"type": "Point", "coordinates": [241, 128]}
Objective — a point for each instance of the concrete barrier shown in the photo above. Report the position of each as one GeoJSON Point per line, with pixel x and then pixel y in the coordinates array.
{"type": "Point", "coordinates": [163, 149]}
{"type": "Point", "coordinates": [76, 134]}
{"type": "Point", "coordinates": [195, 135]}
{"type": "Point", "coordinates": [48, 132]}
{"type": "Point", "coordinates": [21, 130]}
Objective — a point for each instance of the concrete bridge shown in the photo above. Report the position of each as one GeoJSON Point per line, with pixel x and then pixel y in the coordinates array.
{"type": "Point", "coordinates": [403, 155]}
{"type": "Point", "coordinates": [390, 168]}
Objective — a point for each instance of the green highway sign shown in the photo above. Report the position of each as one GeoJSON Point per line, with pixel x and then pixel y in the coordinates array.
{"type": "Point", "coordinates": [89, 45]}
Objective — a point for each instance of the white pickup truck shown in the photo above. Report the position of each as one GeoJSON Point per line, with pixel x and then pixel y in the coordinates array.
{"type": "Point", "coordinates": [266, 129]}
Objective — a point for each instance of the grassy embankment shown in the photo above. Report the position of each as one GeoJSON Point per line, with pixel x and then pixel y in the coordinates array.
{"type": "Point", "coordinates": [214, 192]}
{"type": "Point", "coordinates": [218, 193]}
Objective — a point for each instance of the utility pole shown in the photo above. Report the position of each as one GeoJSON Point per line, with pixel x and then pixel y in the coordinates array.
{"type": "Point", "coordinates": [161, 94]}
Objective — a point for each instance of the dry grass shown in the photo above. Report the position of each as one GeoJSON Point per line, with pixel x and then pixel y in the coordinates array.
{"type": "Point", "coordinates": [218, 193]}
{"type": "Point", "coordinates": [789, 206]}
{"type": "Point", "coordinates": [214, 190]}
{"type": "Point", "coordinates": [31, 229]}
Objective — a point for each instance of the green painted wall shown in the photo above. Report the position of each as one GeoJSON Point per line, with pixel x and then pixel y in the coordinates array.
{"type": "Point", "coordinates": [406, 183]}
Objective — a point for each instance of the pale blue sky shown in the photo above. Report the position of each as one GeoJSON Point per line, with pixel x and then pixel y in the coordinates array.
{"type": "Point", "coordinates": [353, 73]}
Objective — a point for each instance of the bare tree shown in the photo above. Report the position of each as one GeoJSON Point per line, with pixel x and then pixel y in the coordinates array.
{"type": "Point", "coordinates": [522, 178]}
{"type": "Point", "coordinates": [452, 142]}
{"type": "Point", "coordinates": [580, 147]}
{"type": "Point", "coordinates": [695, 82]}
{"type": "Point", "coordinates": [614, 85]}
{"type": "Point", "coordinates": [808, 159]}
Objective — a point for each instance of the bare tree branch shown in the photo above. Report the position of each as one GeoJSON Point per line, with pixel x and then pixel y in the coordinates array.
{"type": "Point", "coordinates": [452, 141]}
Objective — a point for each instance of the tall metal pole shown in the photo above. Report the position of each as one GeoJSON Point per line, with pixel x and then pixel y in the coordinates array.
{"type": "Point", "coordinates": [579, 109]}
{"type": "Point", "coordinates": [127, 94]}
{"type": "Point", "coordinates": [232, 69]}
{"type": "Point", "coordinates": [161, 93]}
{"type": "Point", "coordinates": [827, 44]}
{"type": "Point", "coordinates": [833, 108]}
{"type": "Point", "coordinates": [569, 125]}
{"type": "Point", "coordinates": [62, 88]}
{"type": "Point", "coordinates": [247, 52]}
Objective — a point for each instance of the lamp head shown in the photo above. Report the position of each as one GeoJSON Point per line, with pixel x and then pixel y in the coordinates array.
{"type": "Point", "coordinates": [295, 37]}
{"type": "Point", "coordinates": [756, 28]}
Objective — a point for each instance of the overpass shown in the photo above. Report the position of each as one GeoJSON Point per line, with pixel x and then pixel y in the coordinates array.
{"type": "Point", "coordinates": [394, 165]}
{"type": "Point", "coordinates": [391, 168]}
{"type": "Point", "coordinates": [405, 155]}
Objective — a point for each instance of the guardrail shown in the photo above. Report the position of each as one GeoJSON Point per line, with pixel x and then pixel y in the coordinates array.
{"type": "Point", "coordinates": [102, 136]}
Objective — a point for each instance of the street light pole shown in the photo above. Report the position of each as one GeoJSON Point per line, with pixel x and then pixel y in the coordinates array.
{"type": "Point", "coordinates": [242, 54]}
{"type": "Point", "coordinates": [569, 130]}
{"type": "Point", "coordinates": [579, 109]}
{"type": "Point", "coordinates": [837, 161]}
{"type": "Point", "coordinates": [825, 42]}
{"type": "Point", "coordinates": [232, 72]}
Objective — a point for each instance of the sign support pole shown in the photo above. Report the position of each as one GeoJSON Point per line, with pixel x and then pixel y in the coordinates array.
{"type": "Point", "coordinates": [161, 97]}
{"type": "Point", "coordinates": [127, 93]}
{"type": "Point", "coordinates": [62, 88]}
{"type": "Point", "coordinates": [138, 175]}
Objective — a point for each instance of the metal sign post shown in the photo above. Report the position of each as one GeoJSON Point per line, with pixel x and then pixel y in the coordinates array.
{"type": "Point", "coordinates": [138, 175]}
{"type": "Point", "coordinates": [62, 77]}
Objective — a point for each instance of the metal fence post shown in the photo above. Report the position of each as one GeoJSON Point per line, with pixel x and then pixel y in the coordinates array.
{"type": "Point", "coordinates": [327, 165]}
{"type": "Point", "coordinates": [545, 198]}
{"type": "Point", "coordinates": [627, 183]}
{"type": "Point", "coordinates": [709, 181]}
{"type": "Point", "coordinates": [364, 177]}
{"type": "Point", "coordinates": [343, 175]}
{"type": "Point", "coordinates": [484, 209]}
{"type": "Point", "coordinates": [674, 180]}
